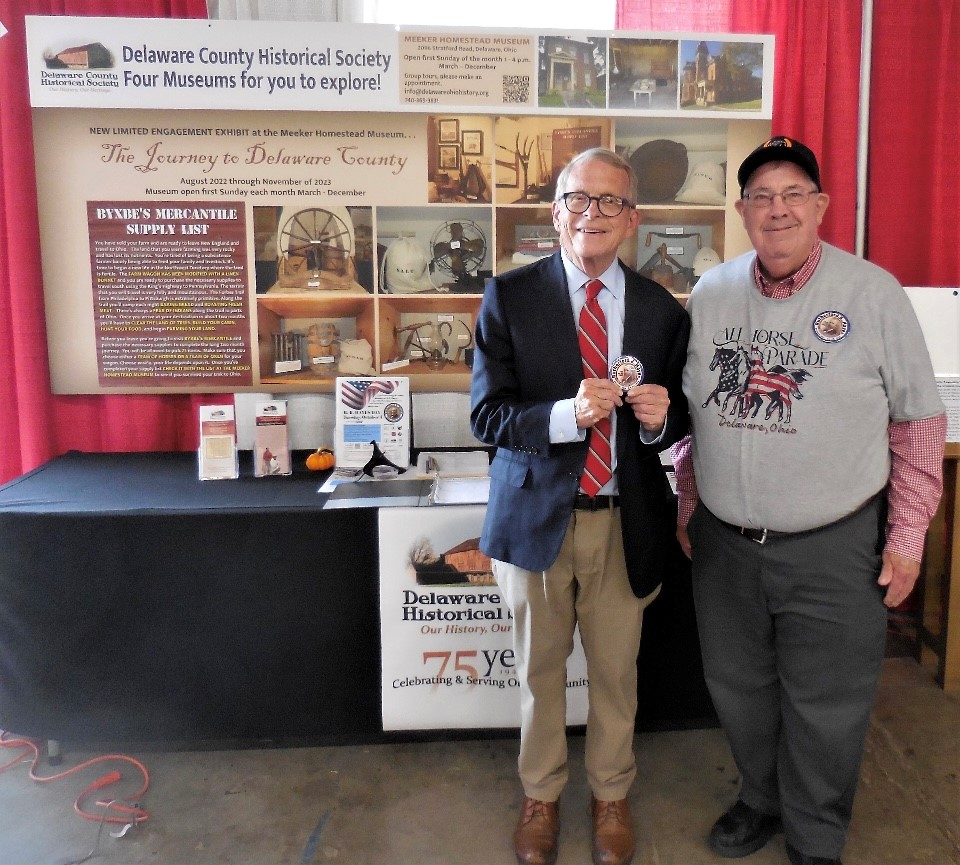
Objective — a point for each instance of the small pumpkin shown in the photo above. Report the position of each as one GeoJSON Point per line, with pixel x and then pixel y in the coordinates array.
{"type": "Point", "coordinates": [320, 460]}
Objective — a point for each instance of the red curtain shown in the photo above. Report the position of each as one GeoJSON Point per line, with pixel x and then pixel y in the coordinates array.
{"type": "Point", "coordinates": [913, 225]}
{"type": "Point", "coordinates": [34, 425]}
{"type": "Point", "coordinates": [816, 91]}
{"type": "Point", "coordinates": [816, 78]}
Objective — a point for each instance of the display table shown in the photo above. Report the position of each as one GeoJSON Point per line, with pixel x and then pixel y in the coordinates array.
{"type": "Point", "coordinates": [938, 628]}
{"type": "Point", "coordinates": [138, 603]}
{"type": "Point", "coordinates": [643, 87]}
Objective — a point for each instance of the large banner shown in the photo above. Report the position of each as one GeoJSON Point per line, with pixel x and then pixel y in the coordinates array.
{"type": "Point", "coordinates": [229, 206]}
{"type": "Point", "coordinates": [446, 633]}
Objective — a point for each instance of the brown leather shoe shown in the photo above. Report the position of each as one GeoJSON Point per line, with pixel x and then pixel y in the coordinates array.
{"type": "Point", "coordinates": [535, 839]}
{"type": "Point", "coordinates": [614, 840]}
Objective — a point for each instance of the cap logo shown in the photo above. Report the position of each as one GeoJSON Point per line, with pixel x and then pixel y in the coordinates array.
{"type": "Point", "coordinates": [779, 142]}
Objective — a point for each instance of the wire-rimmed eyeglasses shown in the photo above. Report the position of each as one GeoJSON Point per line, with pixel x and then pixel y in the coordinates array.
{"type": "Point", "coordinates": [763, 198]}
{"type": "Point", "coordinates": [608, 205]}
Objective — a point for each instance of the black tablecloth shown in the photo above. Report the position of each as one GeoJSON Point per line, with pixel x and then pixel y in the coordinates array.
{"type": "Point", "coordinates": [138, 603]}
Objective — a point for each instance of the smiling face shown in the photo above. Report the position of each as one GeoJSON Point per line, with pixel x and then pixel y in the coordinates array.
{"type": "Point", "coordinates": [783, 236]}
{"type": "Point", "coordinates": [590, 239]}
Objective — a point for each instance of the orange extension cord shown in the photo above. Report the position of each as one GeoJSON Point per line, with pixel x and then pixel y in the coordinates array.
{"type": "Point", "coordinates": [125, 813]}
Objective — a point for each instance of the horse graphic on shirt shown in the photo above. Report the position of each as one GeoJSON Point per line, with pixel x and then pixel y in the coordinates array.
{"type": "Point", "coordinates": [778, 385]}
{"type": "Point", "coordinates": [733, 363]}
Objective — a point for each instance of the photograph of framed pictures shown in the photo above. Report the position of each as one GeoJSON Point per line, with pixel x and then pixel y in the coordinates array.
{"type": "Point", "coordinates": [472, 142]}
{"type": "Point", "coordinates": [449, 157]}
{"type": "Point", "coordinates": [448, 130]}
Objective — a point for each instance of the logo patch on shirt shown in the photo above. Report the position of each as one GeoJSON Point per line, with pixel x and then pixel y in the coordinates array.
{"type": "Point", "coordinates": [831, 326]}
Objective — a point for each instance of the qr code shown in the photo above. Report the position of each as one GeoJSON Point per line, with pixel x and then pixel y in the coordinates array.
{"type": "Point", "coordinates": [516, 89]}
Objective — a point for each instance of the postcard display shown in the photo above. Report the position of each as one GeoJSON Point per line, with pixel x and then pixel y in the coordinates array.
{"type": "Point", "coordinates": [334, 196]}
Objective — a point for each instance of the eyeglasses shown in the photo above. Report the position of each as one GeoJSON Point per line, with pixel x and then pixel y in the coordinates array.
{"type": "Point", "coordinates": [763, 199]}
{"type": "Point", "coordinates": [608, 205]}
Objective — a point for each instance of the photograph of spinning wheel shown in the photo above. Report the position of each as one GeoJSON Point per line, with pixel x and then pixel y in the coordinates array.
{"type": "Point", "coordinates": [325, 248]}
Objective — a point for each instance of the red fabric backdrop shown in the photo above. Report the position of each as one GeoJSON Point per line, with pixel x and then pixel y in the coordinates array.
{"type": "Point", "coordinates": [913, 217]}
{"type": "Point", "coordinates": [34, 425]}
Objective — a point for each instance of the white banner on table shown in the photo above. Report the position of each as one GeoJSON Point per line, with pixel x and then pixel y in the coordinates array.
{"type": "Point", "coordinates": [446, 634]}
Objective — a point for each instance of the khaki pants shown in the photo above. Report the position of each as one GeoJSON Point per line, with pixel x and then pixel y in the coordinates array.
{"type": "Point", "coordinates": [586, 586]}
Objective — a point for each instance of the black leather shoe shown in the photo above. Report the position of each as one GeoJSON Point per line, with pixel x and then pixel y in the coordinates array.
{"type": "Point", "coordinates": [742, 831]}
{"type": "Point", "coordinates": [798, 858]}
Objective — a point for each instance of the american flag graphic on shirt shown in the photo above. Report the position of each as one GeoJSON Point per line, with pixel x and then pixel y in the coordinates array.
{"type": "Point", "coordinates": [357, 394]}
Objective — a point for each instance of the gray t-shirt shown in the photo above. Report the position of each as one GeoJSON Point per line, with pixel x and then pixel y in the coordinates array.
{"type": "Point", "coordinates": [791, 399]}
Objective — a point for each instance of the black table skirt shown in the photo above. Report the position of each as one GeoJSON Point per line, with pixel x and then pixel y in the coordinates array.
{"type": "Point", "coordinates": [138, 603]}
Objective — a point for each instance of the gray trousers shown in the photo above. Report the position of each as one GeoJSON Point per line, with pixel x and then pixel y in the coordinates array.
{"type": "Point", "coordinates": [793, 635]}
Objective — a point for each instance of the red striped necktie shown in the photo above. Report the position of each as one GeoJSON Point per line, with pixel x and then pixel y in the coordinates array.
{"type": "Point", "coordinates": [593, 347]}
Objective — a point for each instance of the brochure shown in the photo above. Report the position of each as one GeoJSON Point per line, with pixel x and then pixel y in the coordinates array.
{"type": "Point", "coordinates": [218, 443]}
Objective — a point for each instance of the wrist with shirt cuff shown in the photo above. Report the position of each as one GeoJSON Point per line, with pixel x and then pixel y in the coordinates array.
{"type": "Point", "coordinates": [563, 423]}
{"type": "Point", "coordinates": [905, 542]}
{"type": "Point", "coordinates": [651, 438]}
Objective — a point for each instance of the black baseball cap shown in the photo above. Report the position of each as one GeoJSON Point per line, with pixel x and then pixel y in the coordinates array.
{"type": "Point", "coordinates": [780, 149]}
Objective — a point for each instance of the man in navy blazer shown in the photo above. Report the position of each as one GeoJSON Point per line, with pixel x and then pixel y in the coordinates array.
{"type": "Point", "coordinates": [562, 556]}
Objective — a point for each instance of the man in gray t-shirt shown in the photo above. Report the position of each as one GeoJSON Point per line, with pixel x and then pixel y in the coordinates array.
{"type": "Point", "coordinates": [806, 487]}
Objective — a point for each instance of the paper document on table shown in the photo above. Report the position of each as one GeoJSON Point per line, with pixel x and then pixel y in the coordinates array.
{"type": "Point", "coordinates": [453, 463]}
{"type": "Point", "coordinates": [948, 386]}
{"type": "Point", "coordinates": [673, 481]}
{"type": "Point", "coordinates": [342, 475]}
{"type": "Point", "coordinates": [460, 490]}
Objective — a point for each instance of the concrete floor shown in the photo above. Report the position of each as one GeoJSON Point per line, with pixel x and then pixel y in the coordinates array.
{"type": "Point", "coordinates": [454, 803]}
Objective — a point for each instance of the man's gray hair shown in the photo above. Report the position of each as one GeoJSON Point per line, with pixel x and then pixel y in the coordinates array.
{"type": "Point", "coordinates": [600, 154]}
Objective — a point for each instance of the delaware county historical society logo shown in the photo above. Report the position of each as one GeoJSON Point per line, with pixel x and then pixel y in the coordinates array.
{"type": "Point", "coordinates": [831, 326]}
{"type": "Point", "coordinates": [80, 67]}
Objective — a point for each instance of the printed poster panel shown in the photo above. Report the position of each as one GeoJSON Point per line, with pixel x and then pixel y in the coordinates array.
{"type": "Point", "coordinates": [446, 634]}
{"type": "Point", "coordinates": [276, 65]}
{"type": "Point", "coordinates": [294, 265]}
{"type": "Point", "coordinates": [483, 69]}
{"type": "Point", "coordinates": [170, 292]}
{"type": "Point", "coordinates": [171, 63]}
{"type": "Point", "coordinates": [318, 136]}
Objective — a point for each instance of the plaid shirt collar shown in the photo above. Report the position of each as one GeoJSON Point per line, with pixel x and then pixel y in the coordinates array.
{"type": "Point", "coordinates": [784, 288]}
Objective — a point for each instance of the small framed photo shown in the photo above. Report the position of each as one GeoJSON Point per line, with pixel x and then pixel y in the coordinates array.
{"type": "Point", "coordinates": [448, 130]}
{"type": "Point", "coordinates": [472, 142]}
{"type": "Point", "coordinates": [450, 157]}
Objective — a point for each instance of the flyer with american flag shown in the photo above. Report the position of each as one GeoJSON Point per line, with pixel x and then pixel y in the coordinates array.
{"type": "Point", "coordinates": [372, 410]}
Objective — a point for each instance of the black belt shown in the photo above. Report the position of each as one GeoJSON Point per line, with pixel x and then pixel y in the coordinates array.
{"type": "Point", "coordinates": [761, 536]}
{"type": "Point", "coordinates": [583, 502]}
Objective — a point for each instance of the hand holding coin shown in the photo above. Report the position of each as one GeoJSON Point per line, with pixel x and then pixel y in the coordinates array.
{"type": "Point", "coordinates": [649, 403]}
{"type": "Point", "coordinates": [627, 372]}
{"type": "Point", "coordinates": [595, 400]}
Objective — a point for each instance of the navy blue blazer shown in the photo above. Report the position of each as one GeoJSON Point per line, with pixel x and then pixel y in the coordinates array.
{"type": "Point", "coordinates": [528, 357]}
